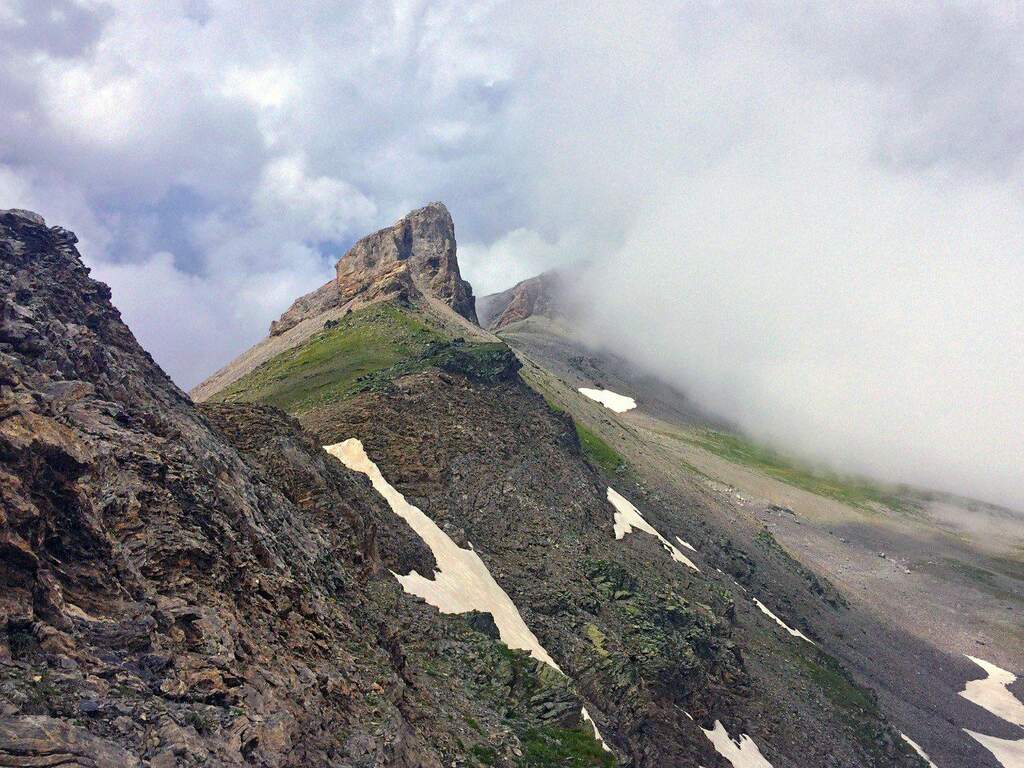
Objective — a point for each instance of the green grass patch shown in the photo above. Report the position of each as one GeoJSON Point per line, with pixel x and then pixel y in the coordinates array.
{"type": "Point", "coordinates": [858, 706]}
{"type": "Point", "coordinates": [597, 451]}
{"type": "Point", "coordinates": [550, 747]}
{"type": "Point", "coordinates": [336, 362]}
{"type": "Point", "coordinates": [485, 755]}
{"type": "Point", "coordinates": [365, 350]}
{"type": "Point", "coordinates": [856, 492]}
{"type": "Point", "coordinates": [980, 578]}
{"type": "Point", "coordinates": [836, 684]}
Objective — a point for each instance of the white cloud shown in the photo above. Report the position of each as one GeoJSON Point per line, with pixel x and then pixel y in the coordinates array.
{"type": "Point", "coordinates": [266, 88]}
{"type": "Point", "coordinates": [810, 216]}
{"type": "Point", "coordinates": [322, 207]}
{"type": "Point", "coordinates": [515, 256]}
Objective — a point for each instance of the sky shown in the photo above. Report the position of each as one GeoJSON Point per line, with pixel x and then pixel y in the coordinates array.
{"type": "Point", "coordinates": [810, 216]}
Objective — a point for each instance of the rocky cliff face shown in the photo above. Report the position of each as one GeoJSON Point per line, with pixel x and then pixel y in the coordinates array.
{"type": "Point", "coordinates": [543, 294]}
{"type": "Point", "coordinates": [415, 254]}
{"type": "Point", "coordinates": [414, 257]}
{"type": "Point", "coordinates": [413, 262]}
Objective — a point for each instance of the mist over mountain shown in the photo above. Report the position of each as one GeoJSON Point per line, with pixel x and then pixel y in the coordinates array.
{"type": "Point", "coordinates": [823, 200]}
{"type": "Point", "coordinates": [856, 317]}
{"type": "Point", "coordinates": [430, 383]}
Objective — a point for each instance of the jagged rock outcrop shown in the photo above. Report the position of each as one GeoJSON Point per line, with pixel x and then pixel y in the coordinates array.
{"type": "Point", "coordinates": [416, 256]}
{"type": "Point", "coordinates": [542, 294]}
{"type": "Point", "coordinates": [413, 261]}
{"type": "Point", "coordinates": [153, 586]}
{"type": "Point", "coordinates": [416, 253]}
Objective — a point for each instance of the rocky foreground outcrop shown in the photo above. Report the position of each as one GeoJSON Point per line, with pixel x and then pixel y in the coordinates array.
{"type": "Point", "coordinates": [205, 588]}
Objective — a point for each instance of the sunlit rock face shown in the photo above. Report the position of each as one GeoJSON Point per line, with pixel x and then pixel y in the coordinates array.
{"type": "Point", "coordinates": [418, 252]}
{"type": "Point", "coordinates": [413, 258]}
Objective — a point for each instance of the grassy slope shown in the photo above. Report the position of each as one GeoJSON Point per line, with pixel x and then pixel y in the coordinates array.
{"type": "Point", "coordinates": [336, 362]}
{"type": "Point", "coordinates": [363, 351]}
{"type": "Point", "coordinates": [597, 450]}
{"type": "Point", "coordinates": [854, 491]}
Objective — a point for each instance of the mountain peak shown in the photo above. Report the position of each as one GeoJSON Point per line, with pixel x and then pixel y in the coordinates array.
{"type": "Point", "coordinates": [415, 257]}
{"type": "Point", "coordinates": [21, 213]}
{"type": "Point", "coordinates": [543, 294]}
{"type": "Point", "coordinates": [413, 262]}
{"type": "Point", "coordinates": [417, 252]}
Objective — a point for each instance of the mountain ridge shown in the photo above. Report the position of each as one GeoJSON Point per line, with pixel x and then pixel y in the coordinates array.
{"type": "Point", "coordinates": [275, 614]}
{"type": "Point", "coordinates": [413, 261]}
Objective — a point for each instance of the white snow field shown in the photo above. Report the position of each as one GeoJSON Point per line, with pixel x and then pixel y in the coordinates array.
{"type": "Point", "coordinates": [917, 748]}
{"type": "Point", "coordinates": [462, 581]}
{"type": "Point", "coordinates": [781, 623]}
{"type": "Point", "coordinates": [742, 754]}
{"type": "Point", "coordinates": [597, 734]}
{"type": "Point", "coordinates": [1009, 752]}
{"type": "Point", "coordinates": [627, 517]}
{"type": "Point", "coordinates": [610, 400]}
{"type": "Point", "coordinates": [991, 693]}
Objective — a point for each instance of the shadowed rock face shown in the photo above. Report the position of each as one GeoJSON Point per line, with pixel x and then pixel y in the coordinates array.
{"type": "Point", "coordinates": [539, 295]}
{"type": "Point", "coordinates": [412, 258]}
{"type": "Point", "coordinates": [149, 576]}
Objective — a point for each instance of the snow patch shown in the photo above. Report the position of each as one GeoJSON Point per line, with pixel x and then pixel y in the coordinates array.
{"type": "Point", "coordinates": [461, 581]}
{"type": "Point", "coordinates": [1009, 752]}
{"type": "Point", "coordinates": [610, 400]}
{"type": "Point", "coordinates": [742, 754]}
{"type": "Point", "coordinates": [781, 623]}
{"type": "Point", "coordinates": [686, 544]}
{"type": "Point", "coordinates": [627, 517]}
{"type": "Point", "coordinates": [597, 733]}
{"type": "Point", "coordinates": [917, 748]}
{"type": "Point", "coordinates": [991, 693]}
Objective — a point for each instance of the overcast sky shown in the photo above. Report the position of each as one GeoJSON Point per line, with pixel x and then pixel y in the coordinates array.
{"type": "Point", "coordinates": [811, 216]}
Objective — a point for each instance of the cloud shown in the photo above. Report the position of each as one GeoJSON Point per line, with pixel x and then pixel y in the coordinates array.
{"type": "Point", "coordinates": [320, 207]}
{"type": "Point", "coordinates": [515, 256]}
{"type": "Point", "coordinates": [809, 215]}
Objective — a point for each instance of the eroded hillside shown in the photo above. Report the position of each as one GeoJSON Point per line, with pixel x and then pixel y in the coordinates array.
{"type": "Point", "coordinates": [930, 580]}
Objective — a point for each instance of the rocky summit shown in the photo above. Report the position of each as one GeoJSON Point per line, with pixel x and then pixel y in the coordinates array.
{"type": "Point", "coordinates": [483, 568]}
{"type": "Point", "coordinates": [542, 295]}
{"type": "Point", "coordinates": [411, 259]}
